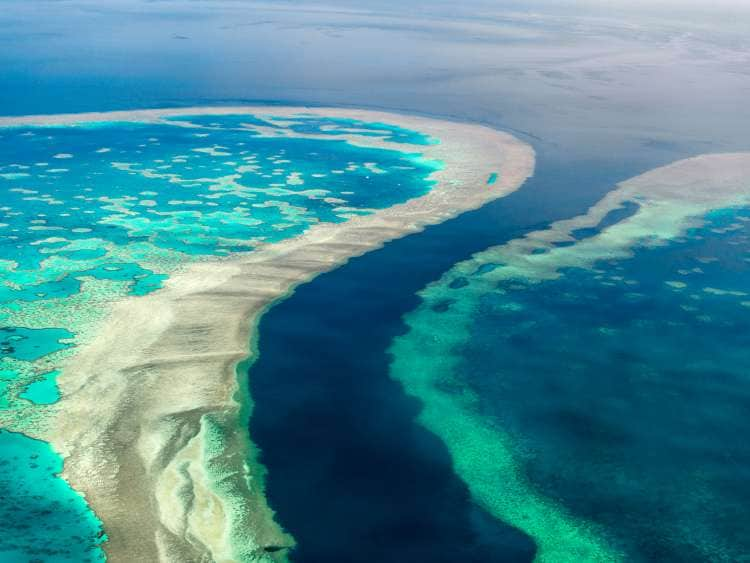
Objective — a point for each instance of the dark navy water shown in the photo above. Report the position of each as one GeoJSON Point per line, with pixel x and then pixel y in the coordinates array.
{"type": "Point", "coordinates": [352, 476]}
{"type": "Point", "coordinates": [603, 95]}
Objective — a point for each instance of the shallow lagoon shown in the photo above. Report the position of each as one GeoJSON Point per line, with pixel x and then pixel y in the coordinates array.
{"type": "Point", "coordinates": [43, 520]}
{"type": "Point", "coordinates": [96, 211]}
{"type": "Point", "coordinates": [603, 98]}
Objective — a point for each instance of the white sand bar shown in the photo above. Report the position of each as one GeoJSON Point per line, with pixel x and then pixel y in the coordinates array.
{"type": "Point", "coordinates": [151, 421]}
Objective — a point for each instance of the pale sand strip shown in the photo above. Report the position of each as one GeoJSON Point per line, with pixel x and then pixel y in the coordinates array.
{"type": "Point", "coordinates": [141, 403]}
{"type": "Point", "coordinates": [671, 199]}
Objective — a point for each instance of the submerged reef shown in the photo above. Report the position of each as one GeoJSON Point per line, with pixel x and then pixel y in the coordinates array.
{"type": "Point", "coordinates": [500, 356]}
{"type": "Point", "coordinates": [139, 249]}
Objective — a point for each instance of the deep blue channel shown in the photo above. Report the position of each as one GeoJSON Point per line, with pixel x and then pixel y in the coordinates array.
{"type": "Point", "coordinates": [351, 475]}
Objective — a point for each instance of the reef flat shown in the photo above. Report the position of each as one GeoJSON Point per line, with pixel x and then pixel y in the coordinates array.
{"type": "Point", "coordinates": [543, 320]}
{"type": "Point", "coordinates": [150, 415]}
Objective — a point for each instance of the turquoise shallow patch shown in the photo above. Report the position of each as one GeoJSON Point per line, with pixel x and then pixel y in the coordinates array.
{"type": "Point", "coordinates": [43, 519]}
{"type": "Point", "coordinates": [143, 280]}
{"type": "Point", "coordinates": [43, 391]}
{"type": "Point", "coordinates": [30, 344]}
{"type": "Point", "coordinates": [59, 288]}
{"type": "Point", "coordinates": [345, 126]}
{"type": "Point", "coordinates": [85, 254]}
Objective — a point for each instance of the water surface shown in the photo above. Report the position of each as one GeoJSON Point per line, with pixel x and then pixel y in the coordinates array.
{"type": "Point", "coordinates": [95, 211]}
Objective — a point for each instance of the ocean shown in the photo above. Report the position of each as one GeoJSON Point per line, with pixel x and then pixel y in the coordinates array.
{"type": "Point", "coordinates": [609, 403]}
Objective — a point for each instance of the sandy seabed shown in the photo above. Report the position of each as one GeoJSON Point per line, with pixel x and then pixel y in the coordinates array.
{"type": "Point", "coordinates": [152, 417]}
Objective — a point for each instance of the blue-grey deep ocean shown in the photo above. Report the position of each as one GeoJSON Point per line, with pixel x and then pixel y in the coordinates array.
{"type": "Point", "coordinates": [617, 394]}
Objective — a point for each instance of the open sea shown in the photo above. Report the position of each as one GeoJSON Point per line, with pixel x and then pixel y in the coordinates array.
{"type": "Point", "coordinates": [598, 416]}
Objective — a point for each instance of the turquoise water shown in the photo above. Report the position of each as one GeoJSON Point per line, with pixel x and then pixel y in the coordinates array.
{"type": "Point", "coordinates": [601, 91]}
{"type": "Point", "coordinates": [43, 391]}
{"type": "Point", "coordinates": [43, 520]}
{"type": "Point", "coordinates": [30, 344]}
{"type": "Point", "coordinates": [603, 412]}
{"type": "Point", "coordinates": [96, 211]}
